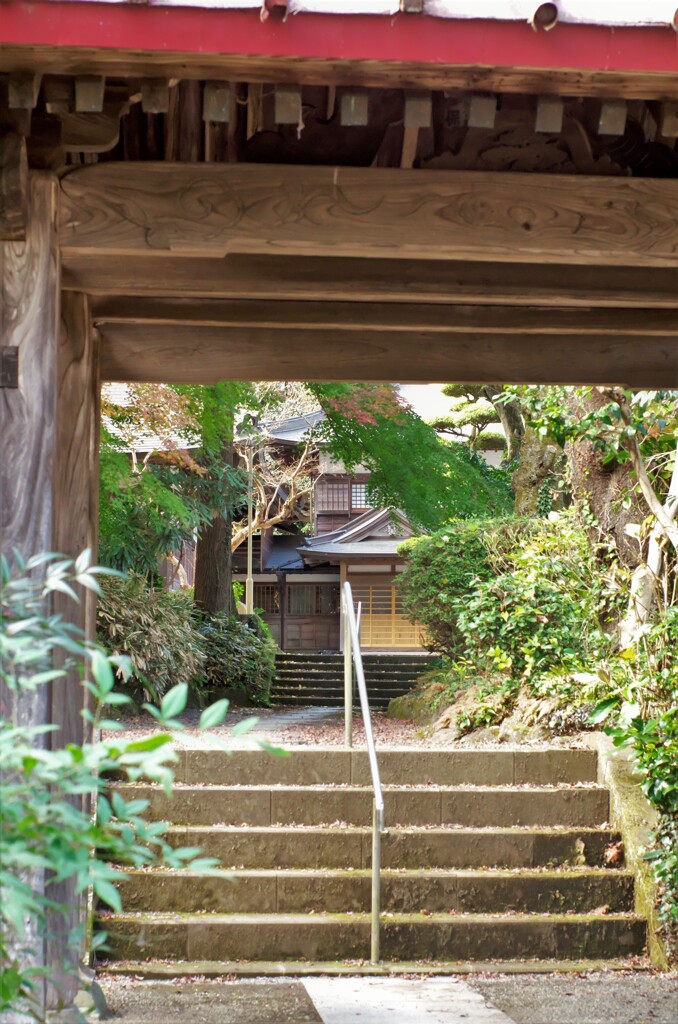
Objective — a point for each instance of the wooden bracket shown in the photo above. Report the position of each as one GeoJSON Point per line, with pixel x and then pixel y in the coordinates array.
{"type": "Point", "coordinates": [155, 96]}
{"type": "Point", "coordinates": [59, 95]}
{"type": "Point", "coordinates": [549, 117]}
{"type": "Point", "coordinates": [288, 104]}
{"type": "Point", "coordinates": [612, 118]}
{"type": "Point", "coordinates": [22, 91]}
{"type": "Point", "coordinates": [216, 102]}
{"type": "Point", "coordinates": [482, 111]}
{"type": "Point", "coordinates": [354, 108]}
{"type": "Point", "coordinates": [9, 366]}
{"type": "Point", "coordinates": [89, 94]}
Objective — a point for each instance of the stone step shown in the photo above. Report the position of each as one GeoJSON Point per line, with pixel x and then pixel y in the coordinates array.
{"type": "Point", "coordinates": [475, 807]}
{"type": "Point", "coordinates": [304, 701]}
{"type": "Point", "coordinates": [402, 658]}
{"type": "Point", "coordinates": [403, 766]}
{"type": "Point", "coordinates": [340, 891]}
{"type": "Point", "coordinates": [351, 846]}
{"type": "Point", "coordinates": [404, 936]}
{"type": "Point", "coordinates": [159, 970]}
{"type": "Point", "coordinates": [331, 697]}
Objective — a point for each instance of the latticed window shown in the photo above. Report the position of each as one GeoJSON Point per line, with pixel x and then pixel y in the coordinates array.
{"type": "Point", "coordinates": [313, 599]}
{"type": "Point", "coordinates": [331, 497]}
{"type": "Point", "coordinates": [359, 497]}
{"type": "Point", "coordinates": [266, 597]}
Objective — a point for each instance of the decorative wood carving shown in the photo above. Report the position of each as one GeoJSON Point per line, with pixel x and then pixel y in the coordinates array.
{"type": "Point", "coordinates": [210, 210]}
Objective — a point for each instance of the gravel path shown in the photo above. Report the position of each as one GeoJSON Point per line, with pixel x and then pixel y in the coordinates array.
{"type": "Point", "coordinates": [607, 997]}
{"type": "Point", "coordinates": [312, 726]}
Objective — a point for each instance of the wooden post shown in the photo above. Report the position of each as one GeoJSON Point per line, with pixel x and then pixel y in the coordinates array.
{"type": "Point", "coordinates": [47, 472]}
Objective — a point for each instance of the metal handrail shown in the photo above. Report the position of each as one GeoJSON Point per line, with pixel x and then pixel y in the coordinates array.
{"type": "Point", "coordinates": [353, 659]}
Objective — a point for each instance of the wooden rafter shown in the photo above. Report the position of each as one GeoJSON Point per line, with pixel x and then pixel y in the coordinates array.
{"type": "Point", "coordinates": [204, 354]}
{"type": "Point", "coordinates": [372, 280]}
{"type": "Point", "coordinates": [379, 316]}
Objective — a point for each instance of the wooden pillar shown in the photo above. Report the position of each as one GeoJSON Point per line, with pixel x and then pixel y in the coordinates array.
{"type": "Point", "coordinates": [48, 482]}
{"type": "Point", "coordinates": [74, 528]}
{"type": "Point", "coordinates": [29, 317]}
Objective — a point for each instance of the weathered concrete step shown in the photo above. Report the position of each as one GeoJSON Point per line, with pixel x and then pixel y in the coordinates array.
{"type": "Point", "coordinates": [384, 693]}
{"type": "Point", "coordinates": [328, 700]}
{"type": "Point", "coordinates": [404, 936]}
{"type": "Point", "coordinates": [312, 671]}
{"type": "Point", "coordinates": [336, 687]}
{"type": "Point", "coordinates": [340, 891]}
{"type": "Point", "coordinates": [325, 699]}
{"type": "Point", "coordinates": [476, 807]}
{"type": "Point", "coordinates": [403, 766]}
{"type": "Point", "coordinates": [167, 969]}
{"type": "Point", "coordinates": [351, 846]}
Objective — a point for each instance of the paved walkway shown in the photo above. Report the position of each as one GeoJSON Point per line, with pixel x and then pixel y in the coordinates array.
{"type": "Point", "coordinates": [603, 998]}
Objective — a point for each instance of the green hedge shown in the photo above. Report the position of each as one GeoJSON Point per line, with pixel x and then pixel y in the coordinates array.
{"type": "Point", "coordinates": [442, 569]}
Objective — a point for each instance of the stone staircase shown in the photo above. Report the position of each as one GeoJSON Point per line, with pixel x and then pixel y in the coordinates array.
{"type": "Point", "coordinates": [310, 679]}
{"type": "Point", "coordinates": [489, 856]}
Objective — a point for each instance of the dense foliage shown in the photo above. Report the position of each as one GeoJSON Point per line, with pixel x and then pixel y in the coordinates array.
{"type": "Point", "coordinates": [239, 657]}
{"type": "Point", "coordinates": [411, 468]}
{"type": "Point", "coordinates": [511, 604]}
{"type": "Point", "coordinates": [439, 572]}
{"type": "Point", "coordinates": [155, 628]}
{"type": "Point", "coordinates": [47, 833]}
{"type": "Point", "coordinates": [643, 707]}
{"type": "Point", "coordinates": [168, 642]}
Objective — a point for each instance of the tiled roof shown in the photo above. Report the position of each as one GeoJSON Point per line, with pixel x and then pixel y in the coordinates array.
{"type": "Point", "coordinates": [545, 15]}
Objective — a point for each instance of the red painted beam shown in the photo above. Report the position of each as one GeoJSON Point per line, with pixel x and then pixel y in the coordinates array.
{"type": "Point", "coordinates": [403, 38]}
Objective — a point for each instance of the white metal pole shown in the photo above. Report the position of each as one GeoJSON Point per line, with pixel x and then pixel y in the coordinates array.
{"type": "Point", "coordinates": [348, 679]}
{"type": "Point", "coordinates": [377, 825]}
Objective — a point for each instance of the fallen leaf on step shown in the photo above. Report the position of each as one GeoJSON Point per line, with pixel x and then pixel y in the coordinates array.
{"type": "Point", "coordinates": [614, 853]}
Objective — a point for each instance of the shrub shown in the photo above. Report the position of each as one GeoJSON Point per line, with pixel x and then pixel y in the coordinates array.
{"type": "Point", "coordinates": [156, 629]}
{"type": "Point", "coordinates": [643, 703]}
{"type": "Point", "coordinates": [441, 570]}
{"type": "Point", "coordinates": [47, 830]}
{"type": "Point", "coordinates": [545, 608]}
{"type": "Point", "coordinates": [240, 656]}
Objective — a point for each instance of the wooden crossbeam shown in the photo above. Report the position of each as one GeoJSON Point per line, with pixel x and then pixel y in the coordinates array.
{"type": "Point", "coordinates": [203, 355]}
{"type": "Point", "coordinates": [379, 316]}
{"type": "Point", "coordinates": [393, 74]}
{"type": "Point", "coordinates": [156, 209]}
{"type": "Point", "coordinates": [371, 280]}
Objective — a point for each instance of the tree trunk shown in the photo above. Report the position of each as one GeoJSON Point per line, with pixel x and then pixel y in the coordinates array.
{"type": "Point", "coordinates": [538, 461]}
{"type": "Point", "coordinates": [213, 588]}
{"type": "Point", "coordinates": [602, 487]}
{"type": "Point", "coordinates": [511, 419]}
{"type": "Point", "coordinates": [648, 579]}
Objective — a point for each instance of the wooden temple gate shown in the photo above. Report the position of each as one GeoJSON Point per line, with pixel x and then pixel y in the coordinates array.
{"type": "Point", "coordinates": [281, 209]}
